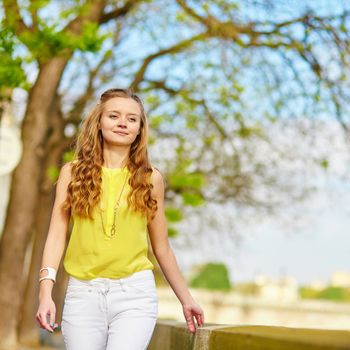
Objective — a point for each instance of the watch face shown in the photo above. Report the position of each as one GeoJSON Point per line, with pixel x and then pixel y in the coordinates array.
{"type": "Point", "coordinates": [10, 148]}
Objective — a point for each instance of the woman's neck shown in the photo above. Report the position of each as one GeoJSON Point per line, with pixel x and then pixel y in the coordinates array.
{"type": "Point", "coordinates": [114, 159]}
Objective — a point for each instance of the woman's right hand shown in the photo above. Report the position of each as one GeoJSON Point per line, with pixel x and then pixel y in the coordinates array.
{"type": "Point", "coordinates": [46, 308]}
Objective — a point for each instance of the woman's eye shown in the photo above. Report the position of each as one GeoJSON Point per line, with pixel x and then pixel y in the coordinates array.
{"type": "Point", "coordinates": [133, 119]}
{"type": "Point", "coordinates": [113, 116]}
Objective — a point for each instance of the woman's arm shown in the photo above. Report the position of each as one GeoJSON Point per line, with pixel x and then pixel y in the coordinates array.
{"type": "Point", "coordinates": [164, 254]}
{"type": "Point", "coordinates": [55, 241]}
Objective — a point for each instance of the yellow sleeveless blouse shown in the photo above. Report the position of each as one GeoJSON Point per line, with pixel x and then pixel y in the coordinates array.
{"type": "Point", "coordinates": [90, 254]}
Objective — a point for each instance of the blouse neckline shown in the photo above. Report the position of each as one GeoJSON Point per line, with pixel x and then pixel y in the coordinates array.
{"type": "Point", "coordinates": [114, 170]}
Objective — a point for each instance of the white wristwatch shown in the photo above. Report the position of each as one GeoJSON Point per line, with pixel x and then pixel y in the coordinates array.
{"type": "Point", "coordinates": [51, 274]}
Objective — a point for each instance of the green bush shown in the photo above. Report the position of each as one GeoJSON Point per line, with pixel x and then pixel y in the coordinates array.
{"type": "Point", "coordinates": [328, 293]}
{"type": "Point", "coordinates": [333, 293]}
{"type": "Point", "coordinates": [212, 276]}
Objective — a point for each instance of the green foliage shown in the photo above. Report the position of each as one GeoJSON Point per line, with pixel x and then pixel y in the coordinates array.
{"type": "Point", "coordinates": [68, 156]}
{"type": "Point", "coordinates": [152, 100]}
{"type": "Point", "coordinates": [333, 293]}
{"type": "Point", "coordinates": [324, 164]}
{"type": "Point", "coordinates": [156, 121]}
{"type": "Point", "coordinates": [328, 293]}
{"type": "Point", "coordinates": [190, 180]}
{"type": "Point", "coordinates": [308, 293]}
{"type": "Point", "coordinates": [209, 140]}
{"type": "Point", "coordinates": [246, 131]}
{"type": "Point", "coordinates": [192, 199]}
{"type": "Point", "coordinates": [91, 39]}
{"type": "Point", "coordinates": [172, 232]}
{"type": "Point", "coordinates": [191, 121]}
{"type": "Point", "coordinates": [213, 276]}
{"type": "Point", "coordinates": [188, 184]}
{"type": "Point", "coordinates": [52, 172]}
{"type": "Point", "coordinates": [48, 42]}
{"type": "Point", "coordinates": [173, 214]}
{"type": "Point", "coordinates": [11, 72]}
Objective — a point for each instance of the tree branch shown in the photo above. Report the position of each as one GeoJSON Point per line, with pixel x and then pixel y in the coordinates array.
{"type": "Point", "coordinates": [92, 13]}
{"type": "Point", "coordinates": [119, 12]}
{"type": "Point", "coordinates": [171, 50]}
{"type": "Point", "coordinates": [160, 84]}
{"type": "Point", "coordinates": [74, 115]}
{"type": "Point", "coordinates": [13, 16]}
{"type": "Point", "coordinates": [33, 8]}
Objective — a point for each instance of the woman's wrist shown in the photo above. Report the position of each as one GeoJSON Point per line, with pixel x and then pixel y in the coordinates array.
{"type": "Point", "coordinates": [188, 301]}
{"type": "Point", "coordinates": [45, 288]}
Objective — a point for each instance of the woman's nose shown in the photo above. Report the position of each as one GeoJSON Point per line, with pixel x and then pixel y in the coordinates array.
{"type": "Point", "coordinates": [121, 122]}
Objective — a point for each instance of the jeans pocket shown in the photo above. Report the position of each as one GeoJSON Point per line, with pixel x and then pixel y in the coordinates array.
{"type": "Point", "coordinates": [146, 286]}
{"type": "Point", "coordinates": [77, 290]}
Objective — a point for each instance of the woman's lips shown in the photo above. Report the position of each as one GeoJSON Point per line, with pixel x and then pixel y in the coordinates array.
{"type": "Point", "coordinates": [120, 133]}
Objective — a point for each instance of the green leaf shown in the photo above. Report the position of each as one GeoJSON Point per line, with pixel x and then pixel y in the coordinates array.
{"type": "Point", "coordinates": [172, 232]}
{"type": "Point", "coordinates": [68, 156]}
{"type": "Point", "coordinates": [191, 180]}
{"type": "Point", "coordinates": [156, 120]}
{"type": "Point", "coordinates": [191, 121]}
{"type": "Point", "coordinates": [91, 40]}
{"type": "Point", "coordinates": [11, 73]}
{"type": "Point", "coordinates": [192, 199]}
{"type": "Point", "coordinates": [52, 172]}
{"type": "Point", "coordinates": [324, 164]}
{"type": "Point", "coordinates": [173, 214]}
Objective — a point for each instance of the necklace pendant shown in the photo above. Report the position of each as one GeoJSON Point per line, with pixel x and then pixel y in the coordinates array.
{"type": "Point", "coordinates": [113, 230]}
{"type": "Point", "coordinates": [116, 207]}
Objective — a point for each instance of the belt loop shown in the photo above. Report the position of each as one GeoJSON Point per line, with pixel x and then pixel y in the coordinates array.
{"type": "Point", "coordinates": [122, 284]}
{"type": "Point", "coordinates": [106, 283]}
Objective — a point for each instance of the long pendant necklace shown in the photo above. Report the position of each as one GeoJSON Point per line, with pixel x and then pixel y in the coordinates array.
{"type": "Point", "coordinates": [116, 207]}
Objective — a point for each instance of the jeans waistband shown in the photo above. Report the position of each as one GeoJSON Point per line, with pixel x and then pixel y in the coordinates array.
{"type": "Point", "coordinates": [136, 276]}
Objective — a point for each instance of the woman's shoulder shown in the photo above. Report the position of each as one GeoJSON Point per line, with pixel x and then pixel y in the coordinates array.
{"type": "Point", "coordinates": [156, 172]}
{"type": "Point", "coordinates": [66, 170]}
{"type": "Point", "coordinates": [157, 177]}
{"type": "Point", "coordinates": [68, 165]}
{"type": "Point", "coordinates": [65, 175]}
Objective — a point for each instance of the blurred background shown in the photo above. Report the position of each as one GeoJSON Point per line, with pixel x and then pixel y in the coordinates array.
{"type": "Point", "coordinates": [249, 123]}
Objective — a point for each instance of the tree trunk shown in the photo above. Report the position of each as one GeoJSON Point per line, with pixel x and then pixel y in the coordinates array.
{"type": "Point", "coordinates": [24, 198]}
{"type": "Point", "coordinates": [28, 326]}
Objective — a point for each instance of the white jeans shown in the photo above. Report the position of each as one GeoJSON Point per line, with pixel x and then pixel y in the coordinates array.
{"type": "Point", "coordinates": [110, 314]}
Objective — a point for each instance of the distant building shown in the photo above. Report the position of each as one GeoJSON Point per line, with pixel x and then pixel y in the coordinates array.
{"type": "Point", "coordinates": [283, 288]}
{"type": "Point", "coordinates": [318, 285]}
{"type": "Point", "coordinates": [340, 279]}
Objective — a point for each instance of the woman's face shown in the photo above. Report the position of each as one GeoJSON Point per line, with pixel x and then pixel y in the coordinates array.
{"type": "Point", "coordinates": [120, 121]}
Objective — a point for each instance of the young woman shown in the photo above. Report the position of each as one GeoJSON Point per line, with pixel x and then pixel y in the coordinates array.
{"type": "Point", "coordinates": [115, 197]}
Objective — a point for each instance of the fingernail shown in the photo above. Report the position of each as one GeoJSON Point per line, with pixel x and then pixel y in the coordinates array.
{"type": "Point", "coordinates": [52, 324]}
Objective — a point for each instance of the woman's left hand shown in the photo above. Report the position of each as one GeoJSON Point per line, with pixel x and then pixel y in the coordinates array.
{"type": "Point", "coordinates": [193, 310]}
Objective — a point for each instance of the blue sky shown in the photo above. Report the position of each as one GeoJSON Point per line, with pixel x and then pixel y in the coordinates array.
{"type": "Point", "coordinates": [310, 252]}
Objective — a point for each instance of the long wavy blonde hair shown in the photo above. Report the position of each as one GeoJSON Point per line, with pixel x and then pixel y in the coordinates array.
{"type": "Point", "coordinates": [84, 189]}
